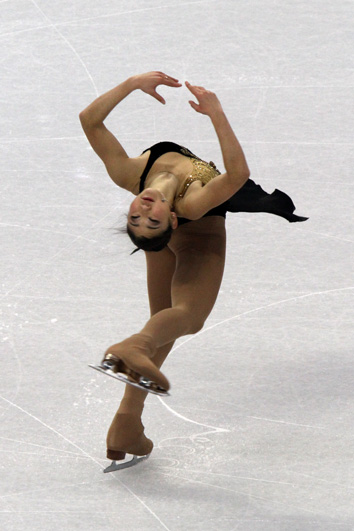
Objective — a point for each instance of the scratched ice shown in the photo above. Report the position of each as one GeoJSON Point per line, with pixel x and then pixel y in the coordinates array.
{"type": "Point", "coordinates": [257, 434]}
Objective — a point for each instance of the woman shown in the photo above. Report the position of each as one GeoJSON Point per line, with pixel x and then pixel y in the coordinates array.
{"type": "Point", "coordinates": [179, 213]}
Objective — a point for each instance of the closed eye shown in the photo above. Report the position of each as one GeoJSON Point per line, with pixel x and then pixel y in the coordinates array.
{"type": "Point", "coordinates": [133, 218]}
{"type": "Point", "coordinates": [155, 222]}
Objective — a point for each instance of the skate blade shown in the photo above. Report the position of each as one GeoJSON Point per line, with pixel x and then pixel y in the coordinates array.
{"type": "Point", "coordinates": [144, 386]}
{"type": "Point", "coordinates": [114, 466]}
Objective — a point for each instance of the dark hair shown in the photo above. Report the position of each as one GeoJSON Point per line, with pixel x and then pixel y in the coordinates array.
{"type": "Point", "coordinates": [155, 244]}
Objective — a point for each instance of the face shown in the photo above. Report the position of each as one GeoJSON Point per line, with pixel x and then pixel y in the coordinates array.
{"type": "Point", "coordinates": [150, 214]}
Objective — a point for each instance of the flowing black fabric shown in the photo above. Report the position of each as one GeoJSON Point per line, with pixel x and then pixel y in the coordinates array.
{"type": "Point", "coordinates": [250, 198]}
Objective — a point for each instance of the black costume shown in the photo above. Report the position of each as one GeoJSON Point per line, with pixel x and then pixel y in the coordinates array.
{"type": "Point", "coordinates": [250, 198]}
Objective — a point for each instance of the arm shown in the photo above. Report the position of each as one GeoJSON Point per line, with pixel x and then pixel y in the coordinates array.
{"type": "Point", "coordinates": [120, 167]}
{"type": "Point", "coordinates": [101, 139]}
{"type": "Point", "coordinates": [237, 173]}
{"type": "Point", "coordinates": [233, 156]}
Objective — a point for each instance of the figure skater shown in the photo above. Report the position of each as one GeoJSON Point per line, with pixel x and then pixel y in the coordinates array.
{"type": "Point", "coordinates": [178, 219]}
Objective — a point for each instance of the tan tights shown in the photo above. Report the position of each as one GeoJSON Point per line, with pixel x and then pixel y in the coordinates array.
{"type": "Point", "coordinates": [183, 283]}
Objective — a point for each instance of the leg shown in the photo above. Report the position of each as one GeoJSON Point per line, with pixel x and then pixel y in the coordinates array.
{"type": "Point", "coordinates": [200, 257]}
{"type": "Point", "coordinates": [126, 433]}
{"type": "Point", "coordinates": [199, 248]}
{"type": "Point", "coordinates": [160, 270]}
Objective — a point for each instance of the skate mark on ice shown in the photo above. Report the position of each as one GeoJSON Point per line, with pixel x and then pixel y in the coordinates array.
{"type": "Point", "coordinates": [55, 488]}
{"type": "Point", "coordinates": [287, 423]}
{"type": "Point", "coordinates": [277, 303]}
{"type": "Point", "coordinates": [86, 454]}
{"type": "Point", "coordinates": [42, 446]}
{"type": "Point", "coordinates": [324, 235]}
{"type": "Point", "coordinates": [266, 306]}
{"type": "Point", "coordinates": [132, 12]}
{"type": "Point", "coordinates": [52, 25]}
{"type": "Point", "coordinates": [198, 438]}
{"type": "Point", "coordinates": [323, 480]}
{"type": "Point", "coordinates": [19, 371]}
{"type": "Point", "coordinates": [44, 456]}
{"type": "Point", "coordinates": [35, 139]}
{"type": "Point", "coordinates": [231, 476]}
{"type": "Point", "coordinates": [214, 429]}
{"type": "Point", "coordinates": [50, 260]}
{"type": "Point", "coordinates": [39, 229]}
{"type": "Point", "coordinates": [81, 450]}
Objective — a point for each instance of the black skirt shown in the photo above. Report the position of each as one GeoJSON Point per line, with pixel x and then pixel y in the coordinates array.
{"type": "Point", "coordinates": [252, 198]}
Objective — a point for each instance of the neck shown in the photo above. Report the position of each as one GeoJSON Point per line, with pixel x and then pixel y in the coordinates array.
{"type": "Point", "coordinates": [166, 183]}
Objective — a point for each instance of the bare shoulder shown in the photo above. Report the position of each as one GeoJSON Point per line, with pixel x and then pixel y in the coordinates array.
{"type": "Point", "coordinates": [126, 172]}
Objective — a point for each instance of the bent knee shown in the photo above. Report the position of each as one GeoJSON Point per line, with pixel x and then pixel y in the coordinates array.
{"type": "Point", "coordinates": [193, 322]}
{"type": "Point", "coordinates": [196, 326]}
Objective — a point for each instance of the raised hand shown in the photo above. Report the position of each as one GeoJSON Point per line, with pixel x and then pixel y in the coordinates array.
{"type": "Point", "coordinates": [208, 102]}
{"type": "Point", "coordinates": [149, 81]}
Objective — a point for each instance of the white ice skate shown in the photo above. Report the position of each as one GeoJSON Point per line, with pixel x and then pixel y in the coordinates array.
{"type": "Point", "coordinates": [114, 466]}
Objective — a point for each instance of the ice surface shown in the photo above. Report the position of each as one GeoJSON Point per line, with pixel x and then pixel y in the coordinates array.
{"type": "Point", "coordinates": [258, 432]}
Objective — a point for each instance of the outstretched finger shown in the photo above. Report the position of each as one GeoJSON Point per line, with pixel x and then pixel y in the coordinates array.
{"type": "Point", "coordinates": [194, 106]}
{"type": "Point", "coordinates": [169, 81]}
{"type": "Point", "coordinates": [167, 77]}
{"type": "Point", "coordinates": [189, 87]}
{"type": "Point", "coordinates": [194, 88]}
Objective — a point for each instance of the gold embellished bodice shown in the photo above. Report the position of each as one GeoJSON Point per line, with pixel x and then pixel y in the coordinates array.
{"type": "Point", "coordinates": [202, 171]}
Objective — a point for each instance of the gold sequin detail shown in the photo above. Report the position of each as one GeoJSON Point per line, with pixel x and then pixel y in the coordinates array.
{"type": "Point", "coordinates": [202, 171]}
{"type": "Point", "coordinates": [186, 151]}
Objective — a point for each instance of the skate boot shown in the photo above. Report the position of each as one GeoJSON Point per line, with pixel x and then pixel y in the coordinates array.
{"type": "Point", "coordinates": [129, 362]}
{"type": "Point", "coordinates": [126, 436]}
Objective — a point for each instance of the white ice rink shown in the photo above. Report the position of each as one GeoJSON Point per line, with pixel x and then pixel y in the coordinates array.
{"type": "Point", "coordinates": [258, 433]}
